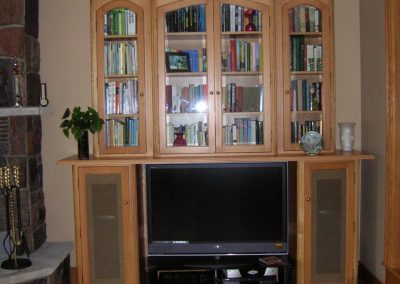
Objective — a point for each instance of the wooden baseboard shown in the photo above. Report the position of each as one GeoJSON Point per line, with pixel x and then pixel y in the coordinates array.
{"type": "Point", "coordinates": [392, 276]}
{"type": "Point", "coordinates": [365, 276]}
{"type": "Point", "coordinates": [74, 275]}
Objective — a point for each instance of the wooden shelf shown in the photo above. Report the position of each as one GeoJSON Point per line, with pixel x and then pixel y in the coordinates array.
{"type": "Point", "coordinates": [215, 158]}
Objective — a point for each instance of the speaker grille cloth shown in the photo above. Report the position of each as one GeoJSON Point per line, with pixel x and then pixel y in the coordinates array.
{"type": "Point", "coordinates": [329, 224]}
{"type": "Point", "coordinates": [105, 231]}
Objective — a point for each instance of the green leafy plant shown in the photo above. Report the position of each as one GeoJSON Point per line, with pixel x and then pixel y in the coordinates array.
{"type": "Point", "coordinates": [79, 121]}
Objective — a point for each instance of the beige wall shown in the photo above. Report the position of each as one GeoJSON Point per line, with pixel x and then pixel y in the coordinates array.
{"type": "Point", "coordinates": [373, 135]}
{"type": "Point", "coordinates": [65, 67]}
{"type": "Point", "coordinates": [347, 60]}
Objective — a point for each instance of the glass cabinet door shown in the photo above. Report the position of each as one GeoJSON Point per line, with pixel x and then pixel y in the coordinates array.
{"type": "Point", "coordinates": [307, 74]}
{"type": "Point", "coordinates": [242, 68]}
{"type": "Point", "coordinates": [186, 95]}
{"type": "Point", "coordinates": [121, 78]}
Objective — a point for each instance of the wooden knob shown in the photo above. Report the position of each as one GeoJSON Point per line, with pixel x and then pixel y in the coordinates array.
{"type": "Point", "coordinates": [211, 93]}
{"type": "Point", "coordinates": [218, 92]}
{"type": "Point", "coordinates": [126, 202]}
{"type": "Point", "coordinates": [308, 198]}
{"type": "Point", "coordinates": [141, 94]}
{"type": "Point", "coordinates": [287, 92]}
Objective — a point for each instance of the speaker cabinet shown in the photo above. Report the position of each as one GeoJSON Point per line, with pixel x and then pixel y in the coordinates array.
{"type": "Point", "coordinates": [329, 222]}
{"type": "Point", "coordinates": [107, 231]}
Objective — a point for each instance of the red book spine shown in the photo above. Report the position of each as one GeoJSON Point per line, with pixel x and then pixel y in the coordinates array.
{"type": "Point", "coordinates": [233, 55]}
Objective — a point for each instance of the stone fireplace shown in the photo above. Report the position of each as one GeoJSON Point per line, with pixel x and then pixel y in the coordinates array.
{"type": "Point", "coordinates": [20, 135]}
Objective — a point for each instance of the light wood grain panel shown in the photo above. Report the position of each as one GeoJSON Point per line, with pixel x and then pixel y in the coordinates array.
{"type": "Point", "coordinates": [392, 210]}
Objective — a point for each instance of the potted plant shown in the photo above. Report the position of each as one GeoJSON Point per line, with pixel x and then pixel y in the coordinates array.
{"type": "Point", "coordinates": [79, 123]}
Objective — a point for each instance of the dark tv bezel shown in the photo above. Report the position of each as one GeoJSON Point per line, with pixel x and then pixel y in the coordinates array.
{"type": "Point", "coordinates": [219, 248]}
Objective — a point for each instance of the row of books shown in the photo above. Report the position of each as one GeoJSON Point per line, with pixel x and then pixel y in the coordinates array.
{"type": "Point", "coordinates": [305, 57]}
{"type": "Point", "coordinates": [188, 19]}
{"type": "Point", "coordinates": [243, 131]}
{"type": "Point", "coordinates": [120, 58]}
{"type": "Point", "coordinates": [306, 95]}
{"type": "Point", "coordinates": [235, 18]}
{"type": "Point", "coordinates": [197, 58]}
{"type": "Point", "coordinates": [120, 21]}
{"type": "Point", "coordinates": [305, 19]}
{"type": "Point", "coordinates": [186, 99]}
{"type": "Point", "coordinates": [194, 135]}
{"type": "Point", "coordinates": [242, 99]}
{"type": "Point", "coordinates": [121, 97]}
{"type": "Point", "coordinates": [242, 55]}
{"type": "Point", "coordinates": [122, 133]}
{"type": "Point", "coordinates": [298, 129]}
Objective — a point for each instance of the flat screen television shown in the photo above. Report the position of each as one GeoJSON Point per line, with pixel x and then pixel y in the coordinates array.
{"type": "Point", "coordinates": [217, 209]}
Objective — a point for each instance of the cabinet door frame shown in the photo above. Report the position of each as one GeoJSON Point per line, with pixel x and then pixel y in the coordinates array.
{"type": "Point", "coordinates": [284, 77]}
{"type": "Point", "coordinates": [268, 78]}
{"type": "Point", "coordinates": [161, 76]}
{"type": "Point", "coordinates": [305, 197]}
{"type": "Point", "coordinates": [142, 8]}
{"type": "Point", "coordinates": [129, 220]}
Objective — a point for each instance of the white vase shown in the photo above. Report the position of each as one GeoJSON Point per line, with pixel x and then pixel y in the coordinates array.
{"type": "Point", "coordinates": [347, 135]}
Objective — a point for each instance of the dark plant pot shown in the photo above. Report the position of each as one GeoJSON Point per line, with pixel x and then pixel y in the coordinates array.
{"type": "Point", "coordinates": [83, 146]}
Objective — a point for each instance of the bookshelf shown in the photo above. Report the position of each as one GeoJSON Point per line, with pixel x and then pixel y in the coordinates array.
{"type": "Point", "coordinates": [221, 102]}
{"type": "Point", "coordinates": [120, 78]}
{"type": "Point", "coordinates": [305, 60]}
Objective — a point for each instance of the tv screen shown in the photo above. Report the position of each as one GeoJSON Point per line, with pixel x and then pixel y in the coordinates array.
{"type": "Point", "coordinates": [217, 209]}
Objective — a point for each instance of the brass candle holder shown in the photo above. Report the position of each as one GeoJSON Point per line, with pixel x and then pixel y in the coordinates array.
{"type": "Point", "coordinates": [14, 242]}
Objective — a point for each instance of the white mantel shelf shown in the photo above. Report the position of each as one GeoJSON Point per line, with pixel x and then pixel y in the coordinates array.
{"type": "Point", "coordinates": [23, 111]}
{"type": "Point", "coordinates": [44, 262]}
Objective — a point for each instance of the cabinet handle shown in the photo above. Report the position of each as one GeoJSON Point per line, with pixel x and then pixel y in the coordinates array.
{"type": "Point", "coordinates": [126, 202]}
{"type": "Point", "coordinates": [211, 93]}
{"type": "Point", "coordinates": [287, 92]}
{"type": "Point", "coordinates": [141, 94]}
{"type": "Point", "coordinates": [308, 199]}
{"type": "Point", "coordinates": [217, 92]}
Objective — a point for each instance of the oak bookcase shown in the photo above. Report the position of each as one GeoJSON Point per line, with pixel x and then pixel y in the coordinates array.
{"type": "Point", "coordinates": [243, 78]}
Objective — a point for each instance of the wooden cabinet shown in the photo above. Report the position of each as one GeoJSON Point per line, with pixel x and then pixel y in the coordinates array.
{"type": "Point", "coordinates": [327, 222]}
{"type": "Point", "coordinates": [121, 75]}
{"type": "Point", "coordinates": [305, 72]}
{"type": "Point", "coordinates": [219, 99]}
{"type": "Point", "coordinates": [106, 224]}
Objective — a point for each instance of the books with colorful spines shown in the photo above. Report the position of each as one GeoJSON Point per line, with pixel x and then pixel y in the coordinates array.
{"type": "Point", "coordinates": [296, 19]}
{"type": "Point", "coordinates": [293, 96]}
{"type": "Point", "coordinates": [307, 19]}
{"type": "Point", "coordinates": [246, 130]}
{"type": "Point", "coordinates": [204, 54]}
{"type": "Point", "coordinates": [259, 132]}
{"type": "Point", "coordinates": [233, 55]}
{"type": "Point", "coordinates": [136, 132]}
{"type": "Point", "coordinates": [239, 99]}
{"type": "Point", "coordinates": [122, 23]}
{"type": "Point", "coordinates": [293, 63]}
{"type": "Point", "coordinates": [317, 22]}
{"type": "Point", "coordinates": [115, 21]}
{"type": "Point", "coordinates": [299, 89]}
{"type": "Point", "coordinates": [310, 57]}
{"type": "Point", "coordinates": [302, 19]}
{"type": "Point", "coordinates": [317, 98]}
{"type": "Point", "coordinates": [232, 18]}
{"type": "Point", "coordinates": [318, 59]}
{"type": "Point", "coordinates": [132, 23]}
{"type": "Point", "coordinates": [311, 16]}
{"type": "Point", "coordinates": [252, 132]}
